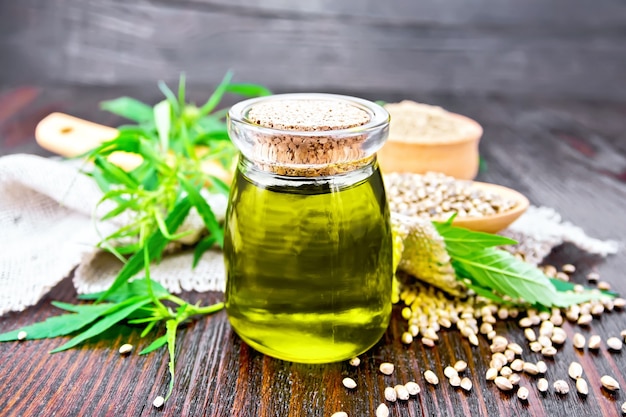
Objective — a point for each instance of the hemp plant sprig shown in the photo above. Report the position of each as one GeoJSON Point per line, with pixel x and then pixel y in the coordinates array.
{"type": "Point", "coordinates": [180, 146]}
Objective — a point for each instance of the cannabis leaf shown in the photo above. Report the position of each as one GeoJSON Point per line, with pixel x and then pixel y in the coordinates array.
{"type": "Point", "coordinates": [496, 274]}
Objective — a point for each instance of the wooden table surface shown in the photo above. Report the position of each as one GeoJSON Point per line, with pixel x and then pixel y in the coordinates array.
{"type": "Point", "coordinates": [569, 155]}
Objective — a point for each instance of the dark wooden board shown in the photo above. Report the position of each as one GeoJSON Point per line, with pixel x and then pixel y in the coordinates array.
{"type": "Point", "coordinates": [570, 155]}
{"type": "Point", "coordinates": [558, 49]}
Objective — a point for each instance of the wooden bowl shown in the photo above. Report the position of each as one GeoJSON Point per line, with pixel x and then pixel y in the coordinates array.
{"type": "Point", "coordinates": [496, 222]}
{"type": "Point", "coordinates": [454, 156]}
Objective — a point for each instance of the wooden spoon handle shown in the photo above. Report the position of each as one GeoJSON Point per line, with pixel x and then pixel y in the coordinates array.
{"type": "Point", "coordinates": [70, 136]}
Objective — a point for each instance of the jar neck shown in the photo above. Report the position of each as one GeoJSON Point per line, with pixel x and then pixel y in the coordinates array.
{"type": "Point", "coordinates": [337, 177]}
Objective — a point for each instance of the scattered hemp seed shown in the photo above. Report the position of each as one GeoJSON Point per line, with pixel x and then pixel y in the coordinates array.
{"type": "Point", "coordinates": [614, 343]}
{"type": "Point", "coordinates": [544, 341]}
{"type": "Point", "coordinates": [525, 322]}
{"type": "Point", "coordinates": [485, 328]}
{"type": "Point", "coordinates": [412, 387]}
{"type": "Point", "coordinates": [530, 335]}
{"type": "Point", "coordinates": [455, 381]}
{"type": "Point", "coordinates": [624, 408]}
{"type": "Point", "coordinates": [542, 368]}
{"type": "Point", "coordinates": [349, 383]}
{"type": "Point", "coordinates": [582, 387]}
{"type": "Point", "coordinates": [517, 365]}
{"type": "Point", "coordinates": [550, 270]}
{"type": "Point", "coordinates": [603, 285]}
{"type": "Point", "coordinates": [619, 303]}
{"type": "Point", "coordinates": [498, 360]}
{"type": "Point", "coordinates": [584, 319]}
{"type": "Point", "coordinates": [428, 342]}
{"type": "Point", "coordinates": [390, 394]}
{"type": "Point", "coordinates": [516, 348]}
{"type": "Point", "coordinates": [503, 383]}
{"type": "Point", "coordinates": [125, 349]}
{"type": "Point", "coordinates": [382, 410]}
{"type": "Point", "coordinates": [450, 372]}
{"type": "Point", "coordinates": [466, 384]}
{"type": "Point", "coordinates": [546, 329]}
{"type": "Point", "coordinates": [542, 385]}
{"type": "Point", "coordinates": [568, 268]}
{"type": "Point", "coordinates": [597, 310]}
{"type": "Point", "coordinates": [407, 338]}
{"type": "Point", "coordinates": [572, 313]}
{"type": "Point", "coordinates": [562, 276]}
{"type": "Point", "coordinates": [355, 361]}
{"type": "Point", "coordinates": [498, 344]}
{"type": "Point", "coordinates": [561, 387]}
{"type": "Point", "coordinates": [491, 374]}
{"type": "Point", "coordinates": [549, 351]}
{"type": "Point", "coordinates": [575, 370]}
{"type": "Point", "coordinates": [401, 392]}
{"type": "Point", "coordinates": [386, 368]}
{"type": "Point", "coordinates": [506, 371]}
{"type": "Point", "coordinates": [460, 366]}
{"type": "Point", "coordinates": [514, 378]}
{"type": "Point", "coordinates": [22, 335]}
{"type": "Point", "coordinates": [431, 378]}
{"type": "Point", "coordinates": [530, 368]}
{"type": "Point", "coordinates": [557, 319]}
{"type": "Point", "coordinates": [558, 336]}
{"type": "Point", "coordinates": [340, 414]}
{"type": "Point", "coordinates": [579, 341]}
{"type": "Point", "coordinates": [522, 393]}
{"type": "Point", "coordinates": [158, 402]}
{"type": "Point", "coordinates": [609, 383]}
{"type": "Point", "coordinates": [593, 277]}
{"type": "Point", "coordinates": [594, 342]}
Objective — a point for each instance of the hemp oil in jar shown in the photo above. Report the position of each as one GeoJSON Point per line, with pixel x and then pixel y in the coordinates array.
{"type": "Point", "coordinates": [308, 245]}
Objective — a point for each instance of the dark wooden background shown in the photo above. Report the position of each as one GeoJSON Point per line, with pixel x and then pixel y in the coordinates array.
{"type": "Point", "coordinates": [546, 79]}
{"type": "Point", "coordinates": [562, 48]}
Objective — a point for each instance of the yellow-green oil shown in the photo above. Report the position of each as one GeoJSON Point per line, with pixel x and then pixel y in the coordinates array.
{"type": "Point", "coordinates": [309, 266]}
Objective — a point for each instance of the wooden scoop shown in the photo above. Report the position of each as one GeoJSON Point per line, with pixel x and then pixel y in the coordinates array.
{"type": "Point", "coordinates": [70, 136]}
{"type": "Point", "coordinates": [495, 222]}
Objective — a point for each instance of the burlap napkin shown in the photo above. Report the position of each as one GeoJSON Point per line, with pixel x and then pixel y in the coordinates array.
{"type": "Point", "coordinates": [47, 229]}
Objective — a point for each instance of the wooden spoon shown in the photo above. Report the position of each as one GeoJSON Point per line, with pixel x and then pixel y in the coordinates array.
{"type": "Point", "coordinates": [495, 222]}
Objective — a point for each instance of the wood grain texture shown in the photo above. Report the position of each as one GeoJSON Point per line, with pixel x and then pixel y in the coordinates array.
{"type": "Point", "coordinates": [560, 153]}
{"type": "Point", "coordinates": [558, 49]}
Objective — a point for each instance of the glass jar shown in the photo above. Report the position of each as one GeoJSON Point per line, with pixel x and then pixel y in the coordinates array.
{"type": "Point", "coordinates": [308, 246]}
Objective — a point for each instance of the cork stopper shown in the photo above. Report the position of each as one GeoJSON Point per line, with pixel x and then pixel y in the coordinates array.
{"type": "Point", "coordinates": [307, 115]}
{"type": "Point", "coordinates": [308, 134]}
